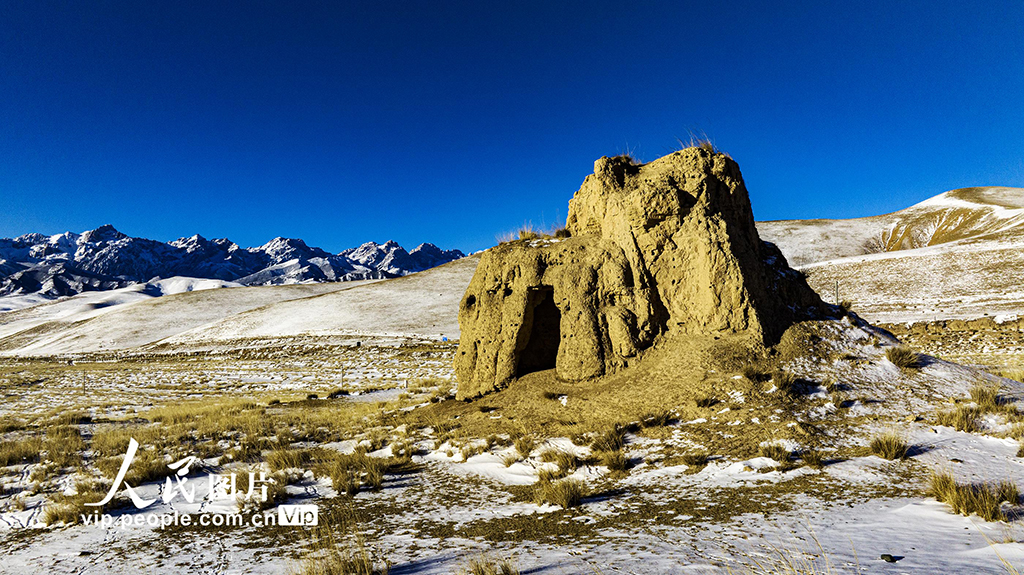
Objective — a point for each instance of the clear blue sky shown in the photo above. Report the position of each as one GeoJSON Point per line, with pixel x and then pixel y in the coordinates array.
{"type": "Point", "coordinates": [450, 122]}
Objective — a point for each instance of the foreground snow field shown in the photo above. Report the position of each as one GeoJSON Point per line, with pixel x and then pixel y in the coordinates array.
{"type": "Point", "coordinates": [461, 494]}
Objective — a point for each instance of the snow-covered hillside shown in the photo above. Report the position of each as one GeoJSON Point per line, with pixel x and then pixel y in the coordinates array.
{"type": "Point", "coordinates": [105, 259]}
{"type": "Point", "coordinates": [423, 306]}
{"type": "Point", "coordinates": [957, 255]}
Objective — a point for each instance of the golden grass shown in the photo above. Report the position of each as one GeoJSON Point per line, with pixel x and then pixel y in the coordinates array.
{"type": "Point", "coordinates": [485, 566]}
{"type": "Point", "coordinates": [350, 473]}
{"type": "Point", "coordinates": [615, 461]}
{"type": "Point", "coordinates": [961, 418]}
{"type": "Point", "coordinates": [1015, 374]}
{"type": "Point", "coordinates": [967, 499]}
{"type": "Point", "coordinates": [567, 462]}
{"type": "Point", "coordinates": [565, 493]}
{"type": "Point", "coordinates": [147, 466]}
{"type": "Point", "coordinates": [793, 562]}
{"type": "Point", "coordinates": [524, 444]}
{"type": "Point", "coordinates": [775, 451]}
{"type": "Point", "coordinates": [696, 458]}
{"type": "Point", "coordinates": [673, 377]}
{"type": "Point", "coordinates": [813, 458]}
{"type": "Point", "coordinates": [8, 424]}
{"type": "Point", "coordinates": [903, 357]}
{"type": "Point", "coordinates": [698, 140]}
{"type": "Point", "coordinates": [611, 440]}
{"type": "Point", "coordinates": [276, 492]}
{"type": "Point", "coordinates": [987, 397]}
{"type": "Point", "coordinates": [69, 509]}
{"type": "Point", "coordinates": [469, 450]}
{"type": "Point", "coordinates": [284, 458]}
{"type": "Point", "coordinates": [890, 445]}
{"type": "Point", "coordinates": [113, 440]}
{"type": "Point", "coordinates": [24, 450]}
{"type": "Point", "coordinates": [328, 556]}
{"type": "Point", "coordinates": [64, 446]}
{"type": "Point", "coordinates": [659, 418]}
{"type": "Point", "coordinates": [785, 382]}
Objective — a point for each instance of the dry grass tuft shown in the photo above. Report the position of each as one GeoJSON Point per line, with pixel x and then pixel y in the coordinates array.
{"type": "Point", "coordinates": [903, 357]}
{"type": "Point", "coordinates": [775, 451]}
{"type": "Point", "coordinates": [524, 444]}
{"type": "Point", "coordinates": [890, 445]}
{"type": "Point", "coordinates": [698, 140]}
{"type": "Point", "coordinates": [706, 401]}
{"type": "Point", "coordinates": [963, 418]}
{"type": "Point", "coordinates": [845, 307]}
{"type": "Point", "coordinates": [615, 461]}
{"type": "Point", "coordinates": [484, 566]}
{"type": "Point", "coordinates": [69, 509]}
{"type": "Point", "coordinates": [566, 493]}
{"type": "Point", "coordinates": [752, 373]}
{"type": "Point", "coordinates": [510, 458]}
{"type": "Point", "coordinates": [25, 450]}
{"type": "Point", "coordinates": [982, 499]}
{"type": "Point", "coordinates": [567, 462]}
{"type": "Point", "coordinates": [1014, 373]}
{"type": "Point", "coordinates": [612, 440]}
{"type": "Point", "coordinates": [988, 398]}
{"type": "Point", "coordinates": [785, 382]}
{"type": "Point", "coordinates": [64, 446]}
{"type": "Point", "coordinates": [696, 458]}
{"type": "Point", "coordinates": [326, 556]}
{"type": "Point", "coordinates": [288, 459]}
{"type": "Point", "coordinates": [656, 419]}
{"type": "Point", "coordinates": [813, 458]}
{"type": "Point", "coordinates": [349, 473]}
{"type": "Point", "coordinates": [147, 466]}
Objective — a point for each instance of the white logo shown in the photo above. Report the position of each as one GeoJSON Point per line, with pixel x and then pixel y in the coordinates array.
{"type": "Point", "coordinates": [298, 515]}
{"type": "Point", "coordinates": [222, 487]}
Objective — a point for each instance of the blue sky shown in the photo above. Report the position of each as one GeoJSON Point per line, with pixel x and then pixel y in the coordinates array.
{"type": "Point", "coordinates": [453, 122]}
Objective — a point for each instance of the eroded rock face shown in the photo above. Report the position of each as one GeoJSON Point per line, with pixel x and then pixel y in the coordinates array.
{"type": "Point", "coordinates": [665, 246]}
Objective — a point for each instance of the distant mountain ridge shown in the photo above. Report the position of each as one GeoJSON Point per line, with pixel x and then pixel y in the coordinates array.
{"type": "Point", "coordinates": [104, 258]}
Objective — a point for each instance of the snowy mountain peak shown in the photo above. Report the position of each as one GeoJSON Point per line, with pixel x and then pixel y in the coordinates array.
{"type": "Point", "coordinates": [104, 233]}
{"type": "Point", "coordinates": [104, 258]}
{"type": "Point", "coordinates": [191, 244]}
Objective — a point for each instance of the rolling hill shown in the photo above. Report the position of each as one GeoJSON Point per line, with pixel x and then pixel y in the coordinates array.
{"type": "Point", "coordinates": [959, 254]}
{"type": "Point", "coordinates": [422, 305]}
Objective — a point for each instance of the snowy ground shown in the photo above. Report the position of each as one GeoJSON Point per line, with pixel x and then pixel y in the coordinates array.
{"type": "Point", "coordinates": [180, 313]}
{"type": "Point", "coordinates": [662, 516]}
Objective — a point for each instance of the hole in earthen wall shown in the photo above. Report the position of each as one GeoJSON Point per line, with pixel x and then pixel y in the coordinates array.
{"type": "Point", "coordinates": [544, 335]}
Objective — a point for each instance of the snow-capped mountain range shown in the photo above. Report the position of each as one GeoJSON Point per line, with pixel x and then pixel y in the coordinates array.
{"type": "Point", "coordinates": [104, 258]}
